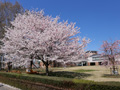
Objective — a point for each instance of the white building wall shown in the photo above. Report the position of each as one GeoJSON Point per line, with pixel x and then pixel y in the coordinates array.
{"type": "Point", "coordinates": [90, 59]}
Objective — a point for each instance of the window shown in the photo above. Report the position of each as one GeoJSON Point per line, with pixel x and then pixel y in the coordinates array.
{"type": "Point", "coordinates": [92, 63]}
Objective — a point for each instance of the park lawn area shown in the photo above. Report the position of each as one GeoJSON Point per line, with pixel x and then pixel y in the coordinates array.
{"type": "Point", "coordinates": [82, 70]}
{"type": "Point", "coordinates": [96, 73]}
{"type": "Point", "coordinates": [92, 73]}
{"type": "Point", "coordinates": [71, 77]}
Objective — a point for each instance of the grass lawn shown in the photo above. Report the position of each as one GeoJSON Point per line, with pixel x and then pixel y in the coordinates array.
{"type": "Point", "coordinates": [82, 70]}
{"type": "Point", "coordinates": [94, 73]}
{"type": "Point", "coordinates": [111, 76]}
{"type": "Point", "coordinates": [91, 76]}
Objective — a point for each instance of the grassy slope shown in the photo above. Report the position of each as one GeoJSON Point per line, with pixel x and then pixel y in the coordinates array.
{"type": "Point", "coordinates": [92, 73]}
{"type": "Point", "coordinates": [97, 72]}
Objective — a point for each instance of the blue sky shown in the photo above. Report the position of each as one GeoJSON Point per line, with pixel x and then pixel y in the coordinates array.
{"type": "Point", "coordinates": [98, 19]}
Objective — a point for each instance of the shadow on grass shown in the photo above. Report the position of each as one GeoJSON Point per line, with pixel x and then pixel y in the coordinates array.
{"type": "Point", "coordinates": [82, 71]}
{"type": "Point", "coordinates": [67, 74]}
{"type": "Point", "coordinates": [111, 76]}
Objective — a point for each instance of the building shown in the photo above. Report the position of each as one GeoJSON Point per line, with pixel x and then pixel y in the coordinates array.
{"type": "Point", "coordinates": [90, 53]}
{"type": "Point", "coordinates": [95, 60]}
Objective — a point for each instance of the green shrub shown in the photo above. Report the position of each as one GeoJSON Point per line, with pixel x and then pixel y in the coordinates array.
{"type": "Point", "coordinates": [29, 82]}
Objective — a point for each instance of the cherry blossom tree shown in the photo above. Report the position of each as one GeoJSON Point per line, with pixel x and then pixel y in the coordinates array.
{"type": "Point", "coordinates": [35, 35]}
{"type": "Point", "coordinates": [111, 54]}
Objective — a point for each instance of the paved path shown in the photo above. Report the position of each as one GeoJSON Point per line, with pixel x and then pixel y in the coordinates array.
{"type": "Point", "coordinates": [7, 87]}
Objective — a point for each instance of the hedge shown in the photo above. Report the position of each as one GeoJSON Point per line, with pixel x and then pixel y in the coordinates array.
{"type": "Point", "coordinates": [37, 82]}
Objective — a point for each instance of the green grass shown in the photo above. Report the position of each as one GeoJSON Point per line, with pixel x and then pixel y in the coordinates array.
{"type": "Point", "coordinates": [64, 82]}
{"type": "Point", "coordinates": [93, 82]}
{"type": "Point", "coordinates": [111, 76]}
{"type": "Point", "coordinates": [33, 76]}
{"type": "Point", "coordinates": [82, 70]}
{"type": "Point", "coordinates": [90, 76]}
{"type": "Point", "coordinates": [95, 73]}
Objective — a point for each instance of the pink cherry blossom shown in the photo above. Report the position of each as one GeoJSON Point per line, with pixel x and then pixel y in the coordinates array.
{"type": "Point", "coordinates": [111, 52]}
{"type": "Point", "coordinates": [44, 37]}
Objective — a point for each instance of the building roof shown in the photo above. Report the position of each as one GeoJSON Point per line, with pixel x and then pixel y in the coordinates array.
{"type": "Point", "coordinates": [91, 51]}
{"type": "Point", "coordinates": [96, 55]}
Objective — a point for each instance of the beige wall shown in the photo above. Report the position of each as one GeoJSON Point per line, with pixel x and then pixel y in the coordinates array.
{"type": "Point", "coordinates": [96, 63]}
{"type": "Point", "coordinates": [88, 63]}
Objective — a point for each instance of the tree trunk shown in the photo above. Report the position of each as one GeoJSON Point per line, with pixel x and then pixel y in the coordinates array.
{"type": "Point", "coordinates": [31, 63]}
{"type": "Point", "coordinates": [114, 70]}
{"type": "Point", "coordinates": [47, 70]}
{"type": "Point", "coordinates": [46, 65]}
{"type": "Point", "coordinates": [9, 66]}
